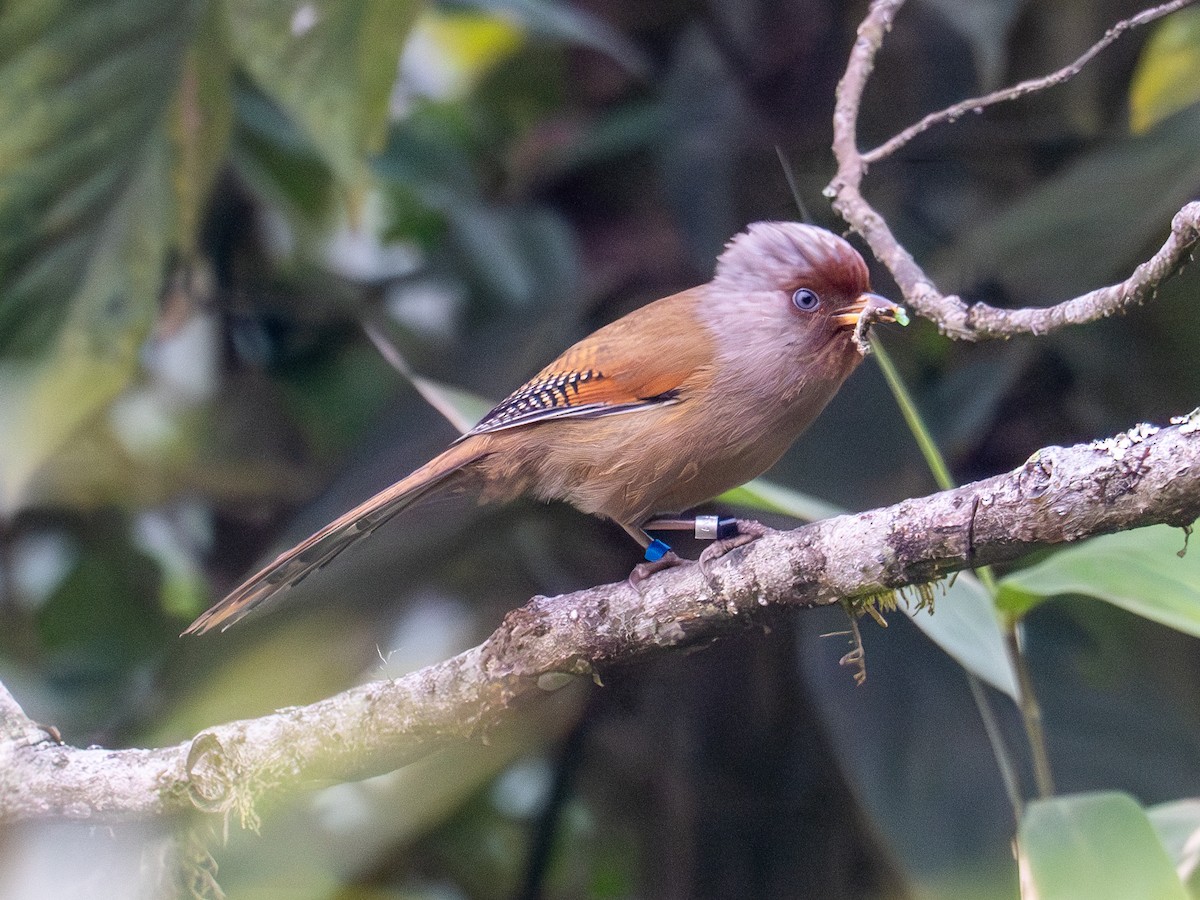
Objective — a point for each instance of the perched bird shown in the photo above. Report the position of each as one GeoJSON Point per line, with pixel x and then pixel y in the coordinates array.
{"type": "Point", "coordinates": [657, 412]}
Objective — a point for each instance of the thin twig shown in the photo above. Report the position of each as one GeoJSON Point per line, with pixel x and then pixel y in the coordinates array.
{"type": "Point", "coordinates": [1029, 86]}
{"type": "Point", "coordinates": [953, 316]}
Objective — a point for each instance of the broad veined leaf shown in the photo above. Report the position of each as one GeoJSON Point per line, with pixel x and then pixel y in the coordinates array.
{"type": "Point", "coordinates": [95, 355]}
{"type": "Point", "coordinates": [331, 64]}
{"type": "Point", "coordinates": [1140, 571]}
{"type": "Point", "coordinates": [1167, 77]}
{"type": "Point", "coordinates": [1100, 846]}
{"type": "Point", "coordinates": [86, 90]}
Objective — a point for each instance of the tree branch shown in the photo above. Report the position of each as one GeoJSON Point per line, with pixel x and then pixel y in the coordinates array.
{"type": "Point", "coordinates": [1030, 86]}
{"type": "Point", "coordinates": [1144, 477]}
{"type": "Point", "coordinates": [953, 316]}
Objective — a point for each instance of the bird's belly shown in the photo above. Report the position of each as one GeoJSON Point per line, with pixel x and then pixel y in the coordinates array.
{"type": "Point", "coordinates": [634, 467]}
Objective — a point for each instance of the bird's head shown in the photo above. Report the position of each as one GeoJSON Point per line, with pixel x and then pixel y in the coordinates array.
{"type": "Point", "coordinates": [804, 284]}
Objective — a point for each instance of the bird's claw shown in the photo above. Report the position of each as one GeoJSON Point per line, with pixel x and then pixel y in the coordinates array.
{"type": "Point", "coordinates": [748, 531]}
{"type": "Point", "coordinates": [644, 570]}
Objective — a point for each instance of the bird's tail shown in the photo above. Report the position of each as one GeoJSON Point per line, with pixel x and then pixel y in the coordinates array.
{"type": "Point", "coordinates": [315, 552]}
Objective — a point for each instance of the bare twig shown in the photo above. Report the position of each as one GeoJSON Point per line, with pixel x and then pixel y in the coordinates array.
{"type": "Point", "coordinates": [955, 317]}
{"type": "Point", "coordinates": [1061, 494]}
{"type": "Point", "coordinates": [1029, 86]}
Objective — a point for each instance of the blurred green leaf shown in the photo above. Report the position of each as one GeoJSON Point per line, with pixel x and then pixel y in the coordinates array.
{"type": "Point", "coordinates": [698, 148]}
{"type": "Point", "coordinates": [1139, 571]}
{"type": "Point", "coordinates": [564, 23]}
{"type": "Point", "coordinates": [95, 356]}
{"type": "Point", "coordinates": [451, 50]}
{"type": "Point", "coordinates": [1167, 77]}
{"type": "Point", "coordinates": [1048, 245]}
{"type": "Point", "coordinates": [965, 626]}
{"type": "Point", "coordinates": [331, 65]}
{"type": "Point", "coordinates": [1178, 827]}
{"type": "Point", "coordinates": [985, 24]}
{"type": "Point", "coordinates": [278, 160]}
{"type": "Point", "coordinates": [523, 256]}
{"type": "Point", "coordinates": [767, 496]}
{"type": "Point", "coordinates": [200, 122]}
{"type": "Point", "coordinates": [1100, 846]}
{"type": "Point", "coordinates": [86, 88]}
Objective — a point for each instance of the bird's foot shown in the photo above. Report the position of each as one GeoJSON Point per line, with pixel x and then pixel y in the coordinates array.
{"type": "Point", "coordinates": [748, 531]}
{"type": "Point", "coordinates": [644, 570]}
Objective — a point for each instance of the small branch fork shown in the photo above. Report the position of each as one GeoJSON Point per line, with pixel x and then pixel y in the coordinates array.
{"type": "Point", "coordinates": [954, 316]}
{"type": "Point", "coordinates": [1145, 477]}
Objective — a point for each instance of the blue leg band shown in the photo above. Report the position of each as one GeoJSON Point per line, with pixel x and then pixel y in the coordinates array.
{"type": "Point", "coordinates": [657, 550]}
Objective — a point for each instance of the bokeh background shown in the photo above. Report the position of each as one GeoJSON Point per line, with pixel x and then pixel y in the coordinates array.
{"type": "Point", "coordinates": [204, 206]}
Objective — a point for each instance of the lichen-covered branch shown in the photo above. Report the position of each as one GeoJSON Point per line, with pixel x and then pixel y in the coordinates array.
{"type": "Point", "coordinates": [954, 316]}
{"type": "Point", "coordinates": [1146, 477]}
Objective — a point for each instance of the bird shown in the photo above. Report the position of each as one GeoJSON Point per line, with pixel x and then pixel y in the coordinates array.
{"type": "Point", "coordinates": [657, 412]}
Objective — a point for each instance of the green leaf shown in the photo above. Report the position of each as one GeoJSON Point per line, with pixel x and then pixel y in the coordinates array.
{"type": "Point", "coordinates": [1100, 846]}
{"type": "Point", "coordinates": [964, 623]}
{"type": "Point", "coordinates": [1178, 827]}
{"type": "Point", "coordinates": [1049, 246]}
{"type": "Point", "coordinates": [95, 356]}
{"type": "Point", "coordinates": [278, 160]}
{"type": "Point", "coordinates": [1140, 571]}
{"type": "Point", "coordinates": [86, 87]}
{"type": "Point", "coordinates": [559, 21]}
{"type": "Point", "coordinates": [1167, 77]}
{"type": "Point", "coordinates": [199, 126]}
{"type": "Point", "coordinates": [330, 64]}
{"type": "Point", "coordinates": [767, 496]}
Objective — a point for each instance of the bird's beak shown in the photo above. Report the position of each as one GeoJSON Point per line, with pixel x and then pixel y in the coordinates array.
{"type": "Point", "coordinates": [874, 308]}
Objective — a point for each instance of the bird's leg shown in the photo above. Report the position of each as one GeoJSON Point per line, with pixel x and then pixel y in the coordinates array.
{"type": "Point", "coordinates": [744, 532]}
{"type": "Point", "coordinates": [704, 528]}
{"type": "Point", "coordinates": [726, 534]}
{"type": "Point", "coordinates": [659, 556]}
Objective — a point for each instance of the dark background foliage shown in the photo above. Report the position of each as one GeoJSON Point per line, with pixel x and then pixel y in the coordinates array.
{"type": "Point", "coordinates": [196, 221]}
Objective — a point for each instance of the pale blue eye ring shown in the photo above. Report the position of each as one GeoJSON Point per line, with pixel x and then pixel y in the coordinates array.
{"type": "Point", "coordinates": [805, 300]}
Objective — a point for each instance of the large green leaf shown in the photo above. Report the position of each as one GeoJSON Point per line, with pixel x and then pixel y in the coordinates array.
{"type": "Point", "coordinates": [330, 64]}
{"type": "Point", "coordinates": [1140, 571]}
{"type": "Point", "coordinates": [95, 355]}
{"type": "Point", "coordinates": [965, 625]}
{"type": "Point", "coordinates": [86, 87]}
{"type": "Point", "coordinates": [1178, 827]}
{"type": "Point", "coordinates": [1099, 846]}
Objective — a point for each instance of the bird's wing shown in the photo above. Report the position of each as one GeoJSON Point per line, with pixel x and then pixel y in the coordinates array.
{"type": "Point", "coordinates": [653, 356]}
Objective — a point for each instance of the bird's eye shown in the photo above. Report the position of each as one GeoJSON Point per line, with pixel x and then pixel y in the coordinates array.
{"type": "Point", "coordinates": [805, 300]}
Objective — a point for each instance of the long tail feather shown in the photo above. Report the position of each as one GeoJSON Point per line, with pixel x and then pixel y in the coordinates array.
{"type": "Point", "coordinates": [315, 552]}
